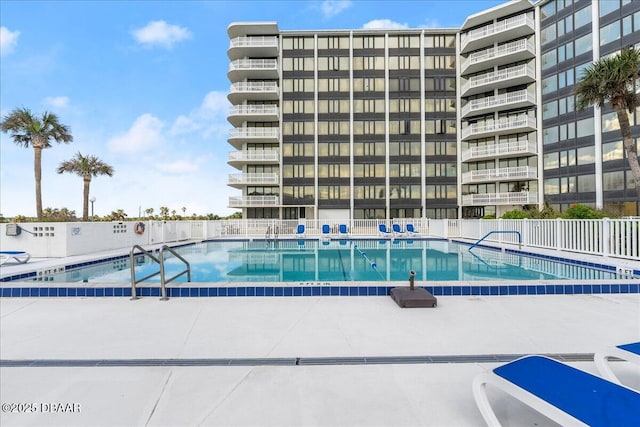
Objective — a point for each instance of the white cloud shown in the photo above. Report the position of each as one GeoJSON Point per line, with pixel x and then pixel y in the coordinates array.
{"type": "Point", "coordinates": [384, 24]}
{"type": "Point", "coordinates": [8, 40]}
{"type": "Point", "coordinates": [210, 118]}
{"type": "Point", "coordinates": [179, 166]}
{"type": "Point", "coordinates": [432, 23]}
{"type": "Point", "coordinates": [160, 34]}
{"type": "Point", "coordinates": [143, 134]}
{"type": "Point", "coordinates": [56, 101]}
{"type": "Point", "coordinates": [331, 8]}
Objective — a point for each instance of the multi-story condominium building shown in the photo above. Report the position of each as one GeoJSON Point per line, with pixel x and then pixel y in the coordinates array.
{"type": "Point", "coordinates": [436, 123]}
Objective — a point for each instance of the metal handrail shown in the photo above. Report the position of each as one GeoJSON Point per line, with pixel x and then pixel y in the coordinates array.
{"type": "Point", "coordinates": [498, 232]}
{"type": "Point", "coordinates": [133, 270]}
{"type": "Point", "coordinates": [163, 280]}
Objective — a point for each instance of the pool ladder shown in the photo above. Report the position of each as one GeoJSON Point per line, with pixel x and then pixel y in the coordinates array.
{"type": "Point", "coordinates": [160, 260]}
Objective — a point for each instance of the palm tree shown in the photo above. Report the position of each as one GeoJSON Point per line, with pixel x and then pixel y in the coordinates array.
{"type": "Point", "coordinates": [38, 132]}
{"type": "Point", "coordinates": [87, 167]}
{"type": "Point", "coordinates": [612, 81]}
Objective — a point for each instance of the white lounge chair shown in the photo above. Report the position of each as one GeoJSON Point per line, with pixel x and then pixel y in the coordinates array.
{"type": "Point", "coordinates": [629, 352]}
{"type": "Point", "coordinates": [397, 231]}
{"type": "Point", "coordinates": [300, 232]}
{"type": "Point", "coordinates": [564, 394]}
{"type": "Point", "coordinates": [383, 231]}
{"type": "Point", "coordinates": [20, 257]}
{"type": "Point", "coordinates": [411, 230]}
{"type": "Point", "coordinates": [343, 230]}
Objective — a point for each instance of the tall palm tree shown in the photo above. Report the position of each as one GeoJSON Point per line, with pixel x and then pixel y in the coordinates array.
{"type": "Point", "coordinates": [87, 167]}
{"type": "Point", "coordinates": [38, 132]}
{"type": "Point", "coordinates": [612, 81]}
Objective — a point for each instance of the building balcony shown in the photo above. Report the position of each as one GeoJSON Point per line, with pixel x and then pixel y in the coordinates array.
{"type": "Point", "coordinates": [253, 113]}
{"type": "Point", "coordinates": [507, 77]}
{"type": "Point", "coordinates": [506, 150]}
{"type": "Point", "coordinates": [241, 69]}
{"type": "Point", "coordinates": [497, 32]}
{"type": "Point", "coordinates": [516, 173]}
{"type": "Point", "coordinates": [255, 91]}
{"type": "Point", "coordinates": [505, 101]}
{"type": "Point", "coordinates": [239, 180]}
{"type": "Point", "coordinates": [239, 158]}
{"type": "Point", "coordinates": [512, 198]}
{"type": "Point", "coordinates": [518, 50]}
{"type": "Point", "coordinates": [253, 201]}
{"type": "Point", "coordinates": [239, 136]}
{"type": "Point", "coordinates": [252, 47]}
{"type": "Point", "coordinates": [502, 126]}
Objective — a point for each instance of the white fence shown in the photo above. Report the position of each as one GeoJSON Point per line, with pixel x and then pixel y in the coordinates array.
{"type": "Point", "coordinates": [618, 238]}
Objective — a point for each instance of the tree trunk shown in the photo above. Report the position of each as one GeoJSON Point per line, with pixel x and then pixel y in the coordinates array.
{"type": "Point", "coordinates": [631, 149]}
{"type": "Point", "coordinates": [85, 199]}
{"type": "Point", "coordinates": [37, 169]}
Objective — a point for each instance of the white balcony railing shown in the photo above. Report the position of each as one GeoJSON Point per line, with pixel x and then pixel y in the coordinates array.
{"type": "Point", "coordinates": [254, 156]}
{"type": "Point", "coordinates": [506, 74]}
{"type": "Point", "coordinates": [501, 174]}
{"type": "Point", "coordinates": [507, 149]}
{"type": "Point", "coordinates": [253, 201]}
{"type": "Point", "coordinates": [254, 41]}
{"type": "Point", "coordinates": [506, 49]}
{"type": "Point", "coordinates": [512, 198]}
{"type": "Point", "coordinates": [249, 110]}
{"type": "Point", "coordinates": [497, 27]}
{"type": "Point", "coordinates": [254, 87]}
{"type": "Point", "coordinates": [501, 126]}
{"type": "Point", "coordinates": [253, 64]}
{"type": "Point", "coordinates": [503, 100]}
{"type": "Point", "coordinates": [254, 178]}
{"type": "Point", "coordinates": [258, 133]}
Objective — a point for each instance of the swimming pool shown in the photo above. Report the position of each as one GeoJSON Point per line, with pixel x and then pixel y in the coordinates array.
{"type": "Point", "coordinates": [339, 261]}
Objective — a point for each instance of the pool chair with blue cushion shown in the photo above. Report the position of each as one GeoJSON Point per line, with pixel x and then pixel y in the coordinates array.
{"type": "Point", "coordinates": [562, 393]}
{"type": "Point", "coordinates": [326, 229]}
{"type": "Point", "coordinates": [382, 230]}
{"type": "Point", "coordinates": [411, 230]}
{"type": "Point", "coordinates": [20, 257]}
{"type": "Point", "coordinates": [343, 230]}
{"type": "Point", "coordinates": [629, 352]}
{"type": "Point", "coordinates": [300, 231]}
{"type": "Point", "coordinates": [397, 230]}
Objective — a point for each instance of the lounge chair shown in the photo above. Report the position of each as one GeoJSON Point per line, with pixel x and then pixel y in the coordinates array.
{"type": "Point", "coordinates": [20, 257]}
{"type": "Point", "coordinates": [326, 229]}
{"type": "Point", "coordinates": [382, 230]}
{"type": "Point", "coordinates": [629, 352]}
{"type": "Point", "coordinates": [343, 230]}
{"type": "Point", "coordinates": [300, 232]}
{"type": "Point", "coordinates": [411, 230]}
{"type": "Point", "coordinates": [397, 230]}
{"type": "Point", "coordinates": [564, 394]}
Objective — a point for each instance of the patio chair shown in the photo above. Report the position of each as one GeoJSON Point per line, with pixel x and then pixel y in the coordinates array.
{"type": "Point", "coordinates": [397, 230]}
{"type": "Point", "coordinates": [326, 229]}
{"type": "Point", "coordinates": [564, 394]}
{"type": "Point", "coordinates": [20, 257]}
{"type": "Point", "coordinates": [343, 230]}
{"type": "Point", "coordinates": [411, 230]}
{"type": "Point", "coordinates": [629, 352]}
{"type": "Point", "coordinates": [382, 230]}
{"type": "Point", "coordinates": [300, 232]}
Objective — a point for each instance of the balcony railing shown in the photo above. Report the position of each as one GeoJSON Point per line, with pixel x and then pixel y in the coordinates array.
{"type": "Point", "coordinates": [522, 72]}
{"type": "Point", "coordinates": [254, 178]}
{"type": "Point", "coordinates": [254, 156]}
{"type": "Point", "coordinates": [499, 127]}
{"type": "Point", "coordinates": [493, 53]}
{"type": "Point", "coordinates": [253, 201]}
{"type": "Point", "coordinates": [495, 28]}
{"type": "Point", "coordinates": [254, 41]}
{"type": "Point", "coordinates": [508, 149]}
{"type": "Point", "coordinates": [254, 87]}
{"type": "Point", "coordinates": [501, 174]}
{"type": "Point", "coordinates": [513, 198]}
{"type": "Point", "coordinates": [253, 64]}
{"type": "Point", "coordinates": [259, 133]}
{"type": "Point", "coordinates": [494, 103]}
{"type": "Point", "coordinates": [249, 110]}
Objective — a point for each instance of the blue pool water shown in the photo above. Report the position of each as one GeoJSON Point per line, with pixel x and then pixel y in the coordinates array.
{"type": "Point", "coordinates": [328, 262]}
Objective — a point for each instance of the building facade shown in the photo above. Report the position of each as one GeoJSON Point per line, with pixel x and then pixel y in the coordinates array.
{"type": "Point", "coordinates": [435, 123]}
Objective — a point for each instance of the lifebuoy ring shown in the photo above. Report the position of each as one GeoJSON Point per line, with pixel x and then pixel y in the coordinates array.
{"type": "Point", "coordinates": [139, 229]}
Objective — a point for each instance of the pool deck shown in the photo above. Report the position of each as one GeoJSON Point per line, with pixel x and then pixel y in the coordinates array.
{"type": "Point", "coordinates": [231, 361]}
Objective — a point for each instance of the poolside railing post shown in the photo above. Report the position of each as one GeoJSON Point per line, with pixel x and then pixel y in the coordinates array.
{"type": "Point", "coordinates": [606, 241]}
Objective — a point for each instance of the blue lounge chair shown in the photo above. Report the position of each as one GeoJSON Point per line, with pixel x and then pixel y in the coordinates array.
{"type": "Point", "coordinates": [300, 231]}
{"type": "Point", "coordinates": [382, 230]}
{"type": "Point", "coordinates": [342, 230]}
{"type": "Point", "coordinates": [397, 230]}
{"type": "Point", "coordinates": [326, 229]}
{"type": "Point", "coordinates": [20, 257]}
{"type": "Point", "coordinates": [564, 394]}
{"type": "Point", "coordinates": [629, 352]}
{"type": "Point", "coordinates": [411, 230]}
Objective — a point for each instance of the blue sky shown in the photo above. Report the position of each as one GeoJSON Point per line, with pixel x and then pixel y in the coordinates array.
{"type": "Point", "coordinates": [143, 85]}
